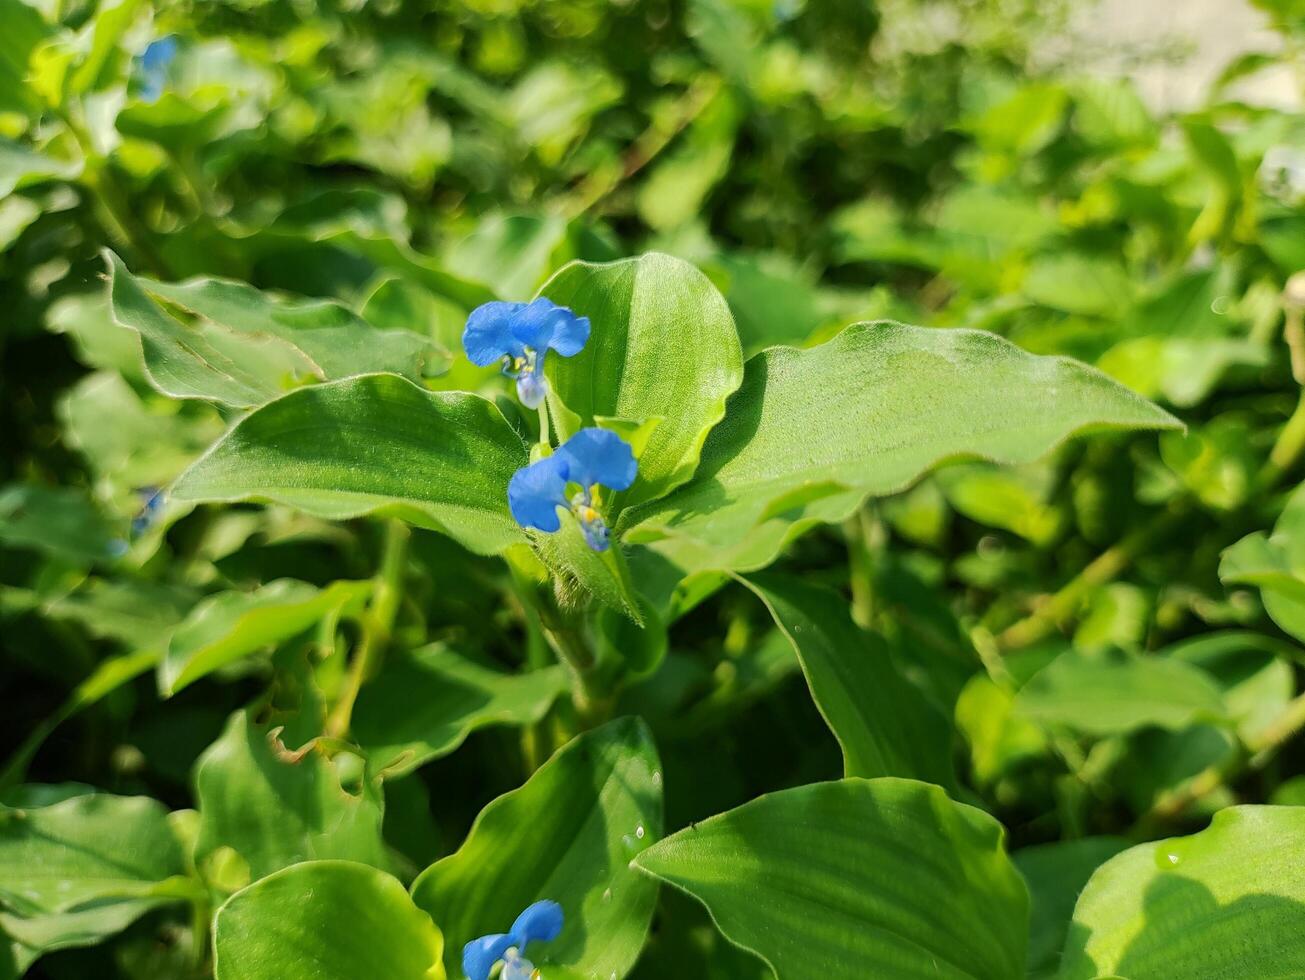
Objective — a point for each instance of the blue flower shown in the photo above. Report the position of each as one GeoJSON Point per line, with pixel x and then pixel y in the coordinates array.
{"type": "Point", "coordinates": [538, 923]}
{"type": "Point", "coordinates": [151, 508]}
{"type": "Point", "coordinates": [589, 459]}
{"type": "Point", "coordinates": [154, 62]}
{"type": "Point", "coordinates": [521, 335]}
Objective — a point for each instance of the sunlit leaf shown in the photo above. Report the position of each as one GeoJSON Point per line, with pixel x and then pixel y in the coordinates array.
{"type": "Point", "coordinates": [881, 877]}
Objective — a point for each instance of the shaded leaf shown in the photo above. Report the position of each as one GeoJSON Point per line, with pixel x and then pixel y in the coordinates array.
{"type": "Point", "coordinates": [426, 702]}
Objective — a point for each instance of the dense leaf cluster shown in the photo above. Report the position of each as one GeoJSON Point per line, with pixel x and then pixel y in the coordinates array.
{"type": "Point", "coordinates": [968, 649]}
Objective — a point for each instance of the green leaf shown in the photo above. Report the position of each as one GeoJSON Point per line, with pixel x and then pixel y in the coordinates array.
{"type": "Point", "coordinates": [88, 849]}
{"type": "Point", "coordinates": [1253, 670]}
{"type": "Point", "coordinates": [230, 625]}
{"type": "Point", "coordinates": [513, 253]}
{"type": "Point", "coordinates": [876, 878]}
{"type": "Point", "coordinates": [812, 433]}
{"type": "Point", "coordinates": [567, 835]}
{"type": "Point", "coordinates": [325, 920]}
{"type": "Point", "coordinates": [1228, 902]}
{"type": "Point", "coordinates": [1113, 693]}
{"type": "Point", "coordinates": [60, 521]}
{"type": "Point", "coordinates": [1055, 874]}
{"type": "Point", "coordinates": [21, 167]}
{"type": "Point", "coordinates": [275, 809]}
{"type": "Point", "coordinates": [1274, 563]}
{"type": "Point", "coordinates": [661, 338]}
{"type": "Point", "coordinates": [375, 443]}
{"type": "Point", "coordinates": [426, 702]}
{"type": "Point", "coordinates": [227, 342]}
{"type": "Point", "coordinates": [884, 725]}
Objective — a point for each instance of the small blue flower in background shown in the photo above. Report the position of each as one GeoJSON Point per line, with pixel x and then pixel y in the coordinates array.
{"type": "Point", "coordinates": [538, 923]}
{"type": "Point", "coordinates": [521, 335]}
{"type": "Point", "coordinates": [154, 62]}
{"type": "Point", "coordinates": [151, 509]}
{"type": "Point", "coordinates": [589, 459]}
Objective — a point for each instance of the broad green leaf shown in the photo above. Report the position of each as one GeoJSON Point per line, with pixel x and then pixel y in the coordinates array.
{"type": "Point", "coordinates": [1253, 670]}
{"type": "Point", "coordinates": [230, 625]}
{"type": "Point", "coordinates": [812, 433]}
{"type": "Point", "coordinates": [1081, 284]}
{"type": "Point", "coordinates": [40, 934]}
{"type": "Point", "coordinates": [883, 724]}
{"type": "Point", "coordinates": [425, 703]}
{"type": "Point", "coordinates": [227, 342]}
{"type": "Point", "coordinates": [60, 521]}
{"type": "Point", "coordinates": [325, 920]}
{"type": "Point", "coordinates": [21, 167]}
{"type": "Point", "coordinates": [1275, 563]}
{"type": "Point", "coordinates": [126, 440]}
{"type": "Point", "coordinates": [134, 612]}
{"type": "Point", "coordinates": [1227, 902]}
{"type": "Point", "coordinates": [1000, 739]}
{"type": "Point", "coordinates": [95, 848]}
{"type": "Point", "coordinates": [876, 878]}
{"type": "Point", "coordinates": [375, 443]}
{"type": "Point", "coordinates": [23, 29]}
{"type": "Point", "coordinates": [567, 835]}
{"type": "Point", "coordinates": [1113, 693]}
{"type": "Point", "coordinates": [1055, 874]}
{"type": "Point", "coordinates": [512, 253]}
{"type": "Point", "coordinates": [275, 810]}
{"type": "Point", "coordinates": [662, 342]}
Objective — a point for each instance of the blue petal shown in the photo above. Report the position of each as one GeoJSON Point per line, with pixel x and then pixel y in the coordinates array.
{"type": "Point", "coordinates": [488, 334]}
{"type": "Point", "coordinates": [480, 955]}
{"type": "Point", "coordinates": [543, 325]}
{"type": "Point", "coordinates": [538, 923]}
{"type": "Point", "coordinates": [532, 386]}
{"type": "Point", "coordinates": [536, 491]}
{"type": "Point", "coordinates": [599, 456]}
{"type": "Point", "coordinates": [159, 54]}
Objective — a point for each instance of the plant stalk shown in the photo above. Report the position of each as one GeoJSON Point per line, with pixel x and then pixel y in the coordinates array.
{"type": "Point", "coordinates": [377, 624]}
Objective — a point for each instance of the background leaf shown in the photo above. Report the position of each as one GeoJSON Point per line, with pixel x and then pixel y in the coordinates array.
{"type": "Point", "coordinates": [883, 724]}
{"type": "Point", "coordinates": [427, 701]}
{"type": "Point", "coordinates": [230, 625]}
{"type": "Point", "coordinates": [275, 810]}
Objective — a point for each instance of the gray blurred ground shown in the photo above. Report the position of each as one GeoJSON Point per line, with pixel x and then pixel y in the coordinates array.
{"type": "Point", "coordinates": [1174, 49]}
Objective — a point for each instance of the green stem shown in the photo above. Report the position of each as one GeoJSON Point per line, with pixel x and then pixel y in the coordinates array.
{"type": "Point", "coordinates": [1259, 751]}
{"type": "Point", "coordinates": [864, 535]}
{"type": "Point", "coordinates": [1057, 608]}
{"type": "Point", "coordinates": [377, 623]}
{"type": "Point", "coordinates": [114, 207]}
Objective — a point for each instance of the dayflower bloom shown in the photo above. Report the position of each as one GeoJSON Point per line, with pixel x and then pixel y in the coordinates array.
{"type": "Point", "coordinates": [151, 508]}
{"type": "Point", "coordinates": [521, 335]}
{"type": "Point", "coordinates": [540, 922]}
{"type": "Point", "coordinates": [589, 459]}
{"type": "Point", "coordinates": [154, 62]}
